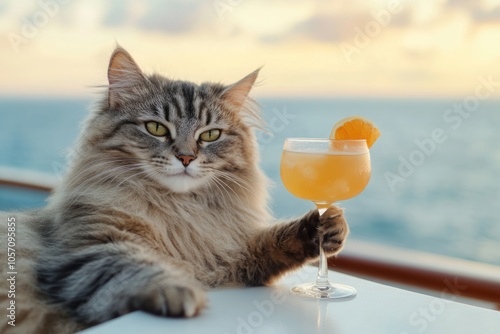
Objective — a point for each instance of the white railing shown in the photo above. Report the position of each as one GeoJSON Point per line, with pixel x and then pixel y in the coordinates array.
{"type": "Point", "coordinates": [27, 179]}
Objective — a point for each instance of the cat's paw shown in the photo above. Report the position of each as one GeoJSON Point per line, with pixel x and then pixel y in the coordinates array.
{"type": "Point", "coordinates": [330, 226]}
{"type": "Point", "coordinates": [172, 299]}
{"type": "Point", "coordinates": [333, 229]}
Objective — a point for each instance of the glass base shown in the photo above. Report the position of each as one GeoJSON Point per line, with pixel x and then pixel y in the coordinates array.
{"type": "Point", "coordinates": [329, 291]}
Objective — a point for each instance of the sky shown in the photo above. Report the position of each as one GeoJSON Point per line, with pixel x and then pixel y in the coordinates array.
{"type": "Point", "coordinates": [308, 48]}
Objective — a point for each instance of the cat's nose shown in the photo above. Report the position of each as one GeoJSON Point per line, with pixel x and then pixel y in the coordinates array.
{"type": "Point", "coordinates": [185, 159]}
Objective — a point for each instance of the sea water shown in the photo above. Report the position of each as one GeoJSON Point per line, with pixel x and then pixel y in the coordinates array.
{"type": "Point", "coordinates": [435, 183]}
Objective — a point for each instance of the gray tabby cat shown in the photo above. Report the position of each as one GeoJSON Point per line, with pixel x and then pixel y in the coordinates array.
{"type": "Point", "coordinates": [164, 200]}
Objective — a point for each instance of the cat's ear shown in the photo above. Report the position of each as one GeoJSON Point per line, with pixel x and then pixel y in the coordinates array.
{"type": "Point", "coordinates": [237, 93]}
{"type": "Point", "coordinates": [123, 74]}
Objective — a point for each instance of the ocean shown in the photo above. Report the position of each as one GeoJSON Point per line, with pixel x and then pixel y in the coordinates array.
{"type": "Point", "coordinates": [435, 170]}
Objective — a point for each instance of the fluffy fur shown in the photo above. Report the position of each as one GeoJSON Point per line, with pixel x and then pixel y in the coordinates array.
{"type": "Point", "coordinates": [145, 222]}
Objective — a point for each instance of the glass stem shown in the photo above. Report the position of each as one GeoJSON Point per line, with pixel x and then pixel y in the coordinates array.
{"type": "Point", "coordinates": [322, 279]}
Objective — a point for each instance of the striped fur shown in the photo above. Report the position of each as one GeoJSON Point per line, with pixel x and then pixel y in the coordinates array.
{"type": "Point", "coordinates": [131, 228]}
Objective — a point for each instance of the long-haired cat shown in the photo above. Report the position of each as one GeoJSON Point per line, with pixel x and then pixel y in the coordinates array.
{"type": "Point", "coordinates": [164, 200]}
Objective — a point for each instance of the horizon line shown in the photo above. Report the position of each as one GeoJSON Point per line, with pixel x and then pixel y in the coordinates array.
{"type": "Point", "coordinates": [96, 96]}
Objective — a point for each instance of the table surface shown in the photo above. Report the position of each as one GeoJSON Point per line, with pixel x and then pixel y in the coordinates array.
{"type": "Point", "coordinates": [375, 309]}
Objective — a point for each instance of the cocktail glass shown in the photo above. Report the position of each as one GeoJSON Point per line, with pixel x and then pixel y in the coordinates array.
{"type": "Point", "coordinates": [325, 171]}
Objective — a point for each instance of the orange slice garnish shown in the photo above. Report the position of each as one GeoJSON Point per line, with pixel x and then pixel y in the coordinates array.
{"type": "Point", "coordinates": [356, 127]}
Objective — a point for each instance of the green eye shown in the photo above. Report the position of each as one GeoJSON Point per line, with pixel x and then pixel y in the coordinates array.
{"type": "Point", "coordinates": [156, 129]}
{"type": "Point", "coordinates": [210, 135]}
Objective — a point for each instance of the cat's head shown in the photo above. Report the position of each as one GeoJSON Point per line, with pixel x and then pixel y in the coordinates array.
{"type": "Point", "coordinates": [181, 135]}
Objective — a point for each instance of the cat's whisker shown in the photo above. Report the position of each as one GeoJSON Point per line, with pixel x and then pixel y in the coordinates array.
{"type": "Point", "coordinates": [150, 173]}
{"type": "Point", "coordinates": [103, 170]}
{"type": "Point", "coordinates": [143, 171]}
{"type": "Point", "coordinates": [103, 176]}
{"type": "Point", "coordinates": [236, 180]}
{"type": "Point", "coordinates": [117, 172]}
{"type": "Point", "coordinates": [98, 166]}
{"type": "Point", "coordinates": [126, 168]}
{"type": "Point", "coordinates": [220, 185]}
{"type": "Point", "coordinates": [226, 186]}
{"type": "Point", "coordinates": [109, 174]}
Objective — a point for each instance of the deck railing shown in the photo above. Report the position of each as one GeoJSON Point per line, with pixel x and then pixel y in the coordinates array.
{"type": "Point", "coordinates": [449, 277]}
{"type": "Point", "coordinates": [26, 179]}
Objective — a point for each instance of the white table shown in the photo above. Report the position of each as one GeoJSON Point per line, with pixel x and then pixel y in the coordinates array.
{"type": "Point", "coordinates": [271, 310]}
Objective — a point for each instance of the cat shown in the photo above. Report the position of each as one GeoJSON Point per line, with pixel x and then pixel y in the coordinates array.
{"type": "Point", "coordinates": [163, 200]}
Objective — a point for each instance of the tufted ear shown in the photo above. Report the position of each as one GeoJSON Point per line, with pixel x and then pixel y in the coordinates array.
{"type": "Point", "coordinates": [123, 74]}
{"type": "Point", "coordinates": [236, 94]}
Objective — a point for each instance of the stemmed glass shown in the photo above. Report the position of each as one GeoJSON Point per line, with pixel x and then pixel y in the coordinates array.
{"type": "Point", "coordinates": [325, 171]}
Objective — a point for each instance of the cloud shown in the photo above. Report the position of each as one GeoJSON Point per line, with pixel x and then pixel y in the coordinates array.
{"type": "Point", "coordinates": [479, 11]}
{"type": "Point", "coordinates": [171, 17]}
{"type": "Point", "coordinates": [328, 27]}
{"type": "Point", "coordinates": [333, 23]}
{"type": "Point", "coordinates": [487, 16]}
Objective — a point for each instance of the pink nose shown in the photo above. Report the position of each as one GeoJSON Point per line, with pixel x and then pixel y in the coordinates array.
{"type": "Point", "coordinates": [185, 159]}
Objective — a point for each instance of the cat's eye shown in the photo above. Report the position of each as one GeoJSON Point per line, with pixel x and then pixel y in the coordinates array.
{"type": "Point", "coordinates": [156, 129]}
{"type": "Point", "coordinates": [210, 135]}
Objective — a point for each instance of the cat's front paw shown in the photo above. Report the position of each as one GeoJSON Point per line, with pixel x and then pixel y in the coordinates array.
{"type": "Point", "coordinates": [173, 299]}
{"type": "Point", "coordinates": [333, 229]}
{"type": "Point", "coordinates": [330, 227]}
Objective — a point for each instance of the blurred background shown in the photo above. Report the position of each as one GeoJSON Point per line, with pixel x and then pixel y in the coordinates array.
{"type": "Point", "coordinates": [426, 72]}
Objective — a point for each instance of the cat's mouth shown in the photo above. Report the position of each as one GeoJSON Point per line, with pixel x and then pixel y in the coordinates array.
{"type": "Point", "coordinates": [183, 174]}
{"type": "Point", "coordinates": [182, 181]}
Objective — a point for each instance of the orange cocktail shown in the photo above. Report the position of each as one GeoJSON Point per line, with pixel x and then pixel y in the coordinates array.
{"type": "Point", "coordinates": [328, 176]}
